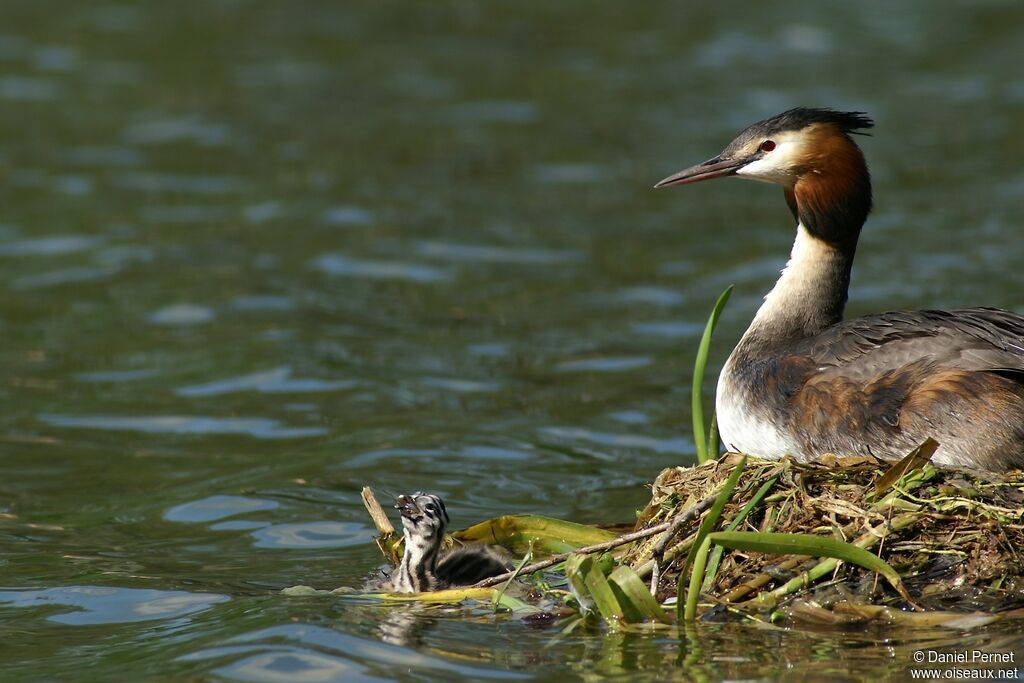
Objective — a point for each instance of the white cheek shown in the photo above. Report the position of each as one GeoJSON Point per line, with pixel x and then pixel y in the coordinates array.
{"type": "Point", "coordinates": [775, 166]}
{"type": "Point", "coordinates": [760, 170]}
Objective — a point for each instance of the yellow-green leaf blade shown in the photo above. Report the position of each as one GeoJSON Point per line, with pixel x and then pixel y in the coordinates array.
{"type": "Point", "coordinates": [549, 536]}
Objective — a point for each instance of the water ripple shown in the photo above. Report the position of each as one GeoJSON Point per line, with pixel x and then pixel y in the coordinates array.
{"type": "Point", "coordinates": [189, 129]}
{"type": "Point", "coordinates": [630, 417]}
{"type": "Point", "coordinates": [388, 454]}
{"type": "Point", "coordinates": [103, 156]}
{"type": "Point", "coordinates": [494, 111]}
{"type": "Point", "coordinates": [469, 453]}
{"type": "Point", "coordinates": [109, 605]}
{"type": "Point", "coordinates": [286, 664]}
{"type": "Point", "coordinates": [184, 183]}
{"type": "Point", "coordinates": [605, 364]}
{"type": "Point", "coordinates": [656, 296]}
{"type": "Point", "coordinates": [313, 535]}
{"type": "Point", "coordinates": [214, 508]}
{"type": "Point", "coordinates": [281, 73]}
{"type": "Point", "coordinates": [28, 89]}
{"type": "Point", "coordinates": [569, 173]}
{"type": "Point", "coordinates": [117, 375]}
{"type": "Point", "coordinates": [669, 328]}
{"type": "Point", "coordinates": [339, 264]}
{"type": "Point", "coordinates": [182, 314]}
{"type": "Point", "coordinates": [674, 446]}
{"type": "Point", "coordinates": [462, 386]}
{"type": "Point", "coordinates": [267, 302]}
{"type": "Point", "coordinates": [479, 253]}
{"type": "Point", "coordinates": [64, 276]}
{"type": "Point", "coordinates": [258, 427]}
{"type": "Point", "coordinates": [55, 58]}
{"type": "Point", "coordinates": [183, 213]}
{"type": "Point", "coordinates": [275, 381]}
{"type": "Point", "coordinates": [50, 246]}
{"type": "Point", "coordinates": [347, 215]}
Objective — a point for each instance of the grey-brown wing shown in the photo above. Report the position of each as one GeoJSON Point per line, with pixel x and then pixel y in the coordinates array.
{"type": "Point", "coordinates": [974, 339]}
{"type": "Point", "coordinates": [887, 381]}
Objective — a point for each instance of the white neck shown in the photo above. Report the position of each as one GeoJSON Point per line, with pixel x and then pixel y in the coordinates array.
{"type": "Point", "coordinates": [809, 295]}
{"type": "Point", "coordinates": [808, 298]}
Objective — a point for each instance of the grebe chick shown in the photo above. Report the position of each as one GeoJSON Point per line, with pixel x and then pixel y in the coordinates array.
{"type": "Point", "coordinates": [803, 382]}
{"type": "Point", "coordinates": [424, 567]}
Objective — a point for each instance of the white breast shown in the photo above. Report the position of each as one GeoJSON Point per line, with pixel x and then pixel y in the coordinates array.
{"type": "Point", "coordinates": [743, 429]}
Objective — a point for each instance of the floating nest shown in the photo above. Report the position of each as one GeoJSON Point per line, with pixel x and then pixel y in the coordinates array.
{"type": "Point", "coordinates": [950, 542]}
{"type": "Point", "coordinates": [956, 538]}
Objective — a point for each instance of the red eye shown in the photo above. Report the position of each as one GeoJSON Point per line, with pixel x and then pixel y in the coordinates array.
{"type": "Point", "coordinates": [767, 146]}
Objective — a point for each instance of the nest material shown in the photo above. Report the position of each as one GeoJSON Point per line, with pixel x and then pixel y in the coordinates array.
{"type": "Point", "coordinates": [957, 538]}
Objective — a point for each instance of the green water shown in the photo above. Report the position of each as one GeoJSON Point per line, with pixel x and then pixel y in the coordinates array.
{"type": "Point", "coordinates": [256, 255]}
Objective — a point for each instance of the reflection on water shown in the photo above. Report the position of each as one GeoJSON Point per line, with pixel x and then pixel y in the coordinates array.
{"type": "Point", "coordinates": [258, 256]}
{"type": "Point", "coordinates": [303, 652]}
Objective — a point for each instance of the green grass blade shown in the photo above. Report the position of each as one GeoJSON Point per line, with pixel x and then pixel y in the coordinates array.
{"type": "Point", "coordinates": [808, 544]}
{"type": "Point", "coordinates": [700, 439]}
{"type": "Point", "coordinates": [705, 528]}
{"type": "Point", "coordinates": [696, 575]}
{"type": "Point", "coordinates": [713, 436]}
{"type": "Point", "coordinates": [527, 558]}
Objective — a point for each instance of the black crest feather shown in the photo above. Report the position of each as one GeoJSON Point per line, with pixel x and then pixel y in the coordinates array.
{"type": "Point", "coordinates": [801, 117]}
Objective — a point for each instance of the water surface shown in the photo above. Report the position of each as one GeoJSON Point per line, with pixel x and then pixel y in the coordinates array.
{"type": "Point", "coordinates": [257, 255]}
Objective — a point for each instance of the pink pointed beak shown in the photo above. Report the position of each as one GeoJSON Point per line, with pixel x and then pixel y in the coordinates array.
{"type": "Point", "coordinates": [712, 168]}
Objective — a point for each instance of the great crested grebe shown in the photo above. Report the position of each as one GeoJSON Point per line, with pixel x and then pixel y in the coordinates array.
{"type": "Point", "coordinates": [424, 567]}
{"type": "Point", "coordinates": [803, 382]}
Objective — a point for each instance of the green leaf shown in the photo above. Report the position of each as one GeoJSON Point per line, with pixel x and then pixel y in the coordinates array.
{"type": "Point", "coordinates": [636, 600]}
{"type": "Point", "coordinates": [589, 584]}
{"type": "Point", "coordinates": [578, 587]}
{"type": "Point", "coordinates": [697, 389]}
{"type": "Point", "coordinates": [807, 544]}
